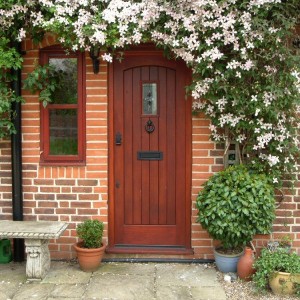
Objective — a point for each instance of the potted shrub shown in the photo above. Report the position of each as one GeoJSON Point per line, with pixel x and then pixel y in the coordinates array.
{"type": "Point", "coordinates": [233, 206]}
{"type": "Point", "coordinates": [279, 270]}
{"type": "Point", "coordinates": [90, 249]}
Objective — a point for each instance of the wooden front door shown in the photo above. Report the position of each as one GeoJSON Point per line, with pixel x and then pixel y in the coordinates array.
{"type": "Point", "coordinates": [151, 155]}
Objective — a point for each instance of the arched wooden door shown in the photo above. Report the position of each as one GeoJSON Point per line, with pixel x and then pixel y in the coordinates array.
{"type": "Point", "coordinates": [150, 155]}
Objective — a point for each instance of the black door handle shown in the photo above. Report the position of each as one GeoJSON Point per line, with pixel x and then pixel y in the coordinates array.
{"type": "Point", "coordinates": [118, 138]}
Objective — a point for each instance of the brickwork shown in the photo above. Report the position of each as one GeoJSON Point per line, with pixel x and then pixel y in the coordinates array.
{"type": "Point", "coordinates": [5, 180]}
{"type": "Point", "coordinates": [74, 193]}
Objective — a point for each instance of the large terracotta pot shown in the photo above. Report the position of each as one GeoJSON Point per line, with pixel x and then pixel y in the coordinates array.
{"type": "Point", "coordinates": [89, 259]}
{"type": "Point", "coordinates": [245, 268]}
{"type": "Point", "coordinates": [282, 283]}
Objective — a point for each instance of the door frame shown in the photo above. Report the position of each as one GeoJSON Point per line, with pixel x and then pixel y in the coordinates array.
{"type": "Point", "coordinates": [146, 50]}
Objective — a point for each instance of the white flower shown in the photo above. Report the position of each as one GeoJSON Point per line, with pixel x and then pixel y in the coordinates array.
{"type": "Point", "coordinates": [248, 65]}
{"type": "Point", "coordinates": [21, 35]}
{"type": "Point", "coordinates": [253, 98]}
{"type": "Point", "coordinates": [107, 57]}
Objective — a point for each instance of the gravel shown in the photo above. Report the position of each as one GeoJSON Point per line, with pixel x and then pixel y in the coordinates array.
{"type": "Point", "coordinates": [241, 290]}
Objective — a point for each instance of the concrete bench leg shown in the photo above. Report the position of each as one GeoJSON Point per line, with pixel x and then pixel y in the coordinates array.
{"type": "Point", "coordinates": [38, 258]}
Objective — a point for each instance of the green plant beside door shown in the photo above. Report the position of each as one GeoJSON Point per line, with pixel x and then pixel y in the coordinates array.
{"type": "Point", "coordinates": [233, 206]}
{"type": "Point", "coordinates": [90, 249]}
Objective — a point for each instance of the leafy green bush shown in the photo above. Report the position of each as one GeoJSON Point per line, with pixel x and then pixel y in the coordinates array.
{"type": "Point", "coordinates": [91, 232]}
{"type": "Point", "coordinates": [274, 261]}
{"type": "Point", "coordinates": [235, 204]}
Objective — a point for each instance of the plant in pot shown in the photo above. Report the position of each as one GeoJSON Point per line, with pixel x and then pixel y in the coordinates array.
{"type": "Point", "coordinates": [90, 249]}
{"type": "Point", "coordinates": [279, 270]}
{"type": "Point", "coordinates": [233, 206]}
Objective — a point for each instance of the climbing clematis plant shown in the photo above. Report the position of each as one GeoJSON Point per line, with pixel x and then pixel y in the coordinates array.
{"type": "Point", "coordinates": [246, 74]}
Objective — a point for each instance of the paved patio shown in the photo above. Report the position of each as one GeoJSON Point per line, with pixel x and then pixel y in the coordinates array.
{"type": "Point", "coordinates": [122, 281]}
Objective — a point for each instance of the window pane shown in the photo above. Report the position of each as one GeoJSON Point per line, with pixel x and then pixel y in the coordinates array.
{"type": "Point", "coordinates": [66, 71]}
{"type": "Point", "coordinates": [149, 98]}
{"type": "Point", "coordinates": [63, 132]}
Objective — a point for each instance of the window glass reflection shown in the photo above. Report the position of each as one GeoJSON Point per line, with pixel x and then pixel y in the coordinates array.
{"type": "Point", "coordinates": [66, 71]}
{"type": "Point", "coordinates": [63, 132]}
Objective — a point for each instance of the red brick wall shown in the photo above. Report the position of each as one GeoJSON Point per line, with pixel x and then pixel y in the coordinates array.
{"type": "Point", "coordinates": [73, 194]}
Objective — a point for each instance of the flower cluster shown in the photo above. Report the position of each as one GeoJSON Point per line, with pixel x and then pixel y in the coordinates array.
{"type": "Point", "coordinates": [244, 74]}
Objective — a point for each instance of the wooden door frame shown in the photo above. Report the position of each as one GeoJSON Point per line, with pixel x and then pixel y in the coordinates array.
{"type": "Point", "coordinates": [146, 51]}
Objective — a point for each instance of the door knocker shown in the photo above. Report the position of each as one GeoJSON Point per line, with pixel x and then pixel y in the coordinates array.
{"type": "Point", "coordinates": [149, 127]}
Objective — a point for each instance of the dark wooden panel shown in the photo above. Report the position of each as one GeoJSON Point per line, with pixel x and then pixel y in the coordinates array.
{"type": "Point", "coordinates": [127, 145]}
{"type": "Point", "coordinates": [163, 133]}
{"type": "Point", "coordinates": [171, 146]}
{"type": "Point", "coordinates": [145, 174]}
{"type": "Point", "coordinates": [118, 152]}
{"type": "Point", "coordinates": [149, 235]}
{"type": "Point", "coordinates": [137, 165]}
{"type": "Point", "coordinates": [154, 165]}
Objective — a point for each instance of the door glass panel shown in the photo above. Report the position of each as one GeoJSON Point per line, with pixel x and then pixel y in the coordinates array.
{"type": "Point", "coordinates": [65, 70]}
{"type": "Point", "coordinates": [63, 132]}
{"type": "Point", "coordinates": [149, 98]}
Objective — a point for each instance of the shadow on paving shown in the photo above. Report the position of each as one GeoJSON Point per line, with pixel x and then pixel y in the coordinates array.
{"type": "Point", "coordinates": [115, 281]}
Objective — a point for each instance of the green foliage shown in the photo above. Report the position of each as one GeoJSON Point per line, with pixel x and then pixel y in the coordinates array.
{"type": "Point", "coordinates": [235, 204]}
{"type": "Point", "coordinates": [272, 261]}
{"type": "Point", "coordinates": [286, 241]}
{"type": "Point", "coordinates": [91, 232]}
{"type": "Point", "coordinates": [9, 59]}
{"type": "Point", "coordinates": [44, 79]}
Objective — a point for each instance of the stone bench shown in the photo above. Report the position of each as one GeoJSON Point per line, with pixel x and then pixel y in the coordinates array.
{"type": "Point", "coordinates": [36, 235]}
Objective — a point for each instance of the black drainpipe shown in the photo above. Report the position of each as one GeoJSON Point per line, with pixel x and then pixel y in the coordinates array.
{"type": "Point", "coordinates": [16, 160]}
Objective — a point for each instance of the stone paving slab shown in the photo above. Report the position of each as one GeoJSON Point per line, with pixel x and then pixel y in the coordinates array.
{"type": "Point", "coordinates": [186, 275]}
{"type": "Point", "coordinates": [113, 281]}
{"type": "Point", "coordinates": [127, 268]}
{"type": "Point", "coordinates": [69, 291]}
{"type": "Point", "coordinates": [173, 293]}
{"type": "Point", "coordinates": [125, 287]}
{"type": "Point", "coordinates": [205, 293]}
{"type": "Point", "coordinates": [16, 271]}
{"type": "Point", "coordinates": [33, 291]}
{"type": "Point", "coordinates": [63, 273]}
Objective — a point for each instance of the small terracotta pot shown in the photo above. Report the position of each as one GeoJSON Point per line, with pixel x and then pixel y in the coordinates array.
{"type": "Point", "coordinates": [89, 259]}
{"type": "Point", "coordinates": [245, 268]}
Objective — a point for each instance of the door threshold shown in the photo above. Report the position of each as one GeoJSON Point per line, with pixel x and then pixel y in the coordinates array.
{"type": "Point", "coordinates": [135, 249]}
{"type": "Point", "coordinates": [158, 260]}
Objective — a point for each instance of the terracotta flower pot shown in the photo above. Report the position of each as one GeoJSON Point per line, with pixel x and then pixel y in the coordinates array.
{"type": "Point", "coordinates": [89, 259]}
{"type": "Point", "coordinates": [282, 283]}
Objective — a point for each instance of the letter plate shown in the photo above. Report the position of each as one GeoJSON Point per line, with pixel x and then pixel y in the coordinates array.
{"type": "Point", "coordinates": [149, 155]}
